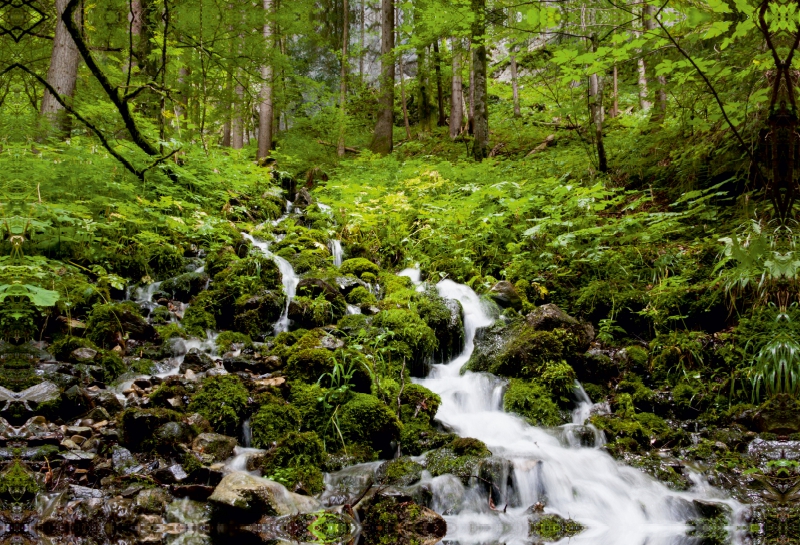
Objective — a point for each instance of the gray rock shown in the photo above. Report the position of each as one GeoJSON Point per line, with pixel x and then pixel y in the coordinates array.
{"type": "Point", "coordinates": [108, 401]}
{"type": "Point", "coordinates": [197, 361]}
{"type": "Point", "coordinates": [173, 433]}
{"type": "Point", "coordinates": [152, 500]}
{"type": "Point", "coordinates": [124, 463]}
{"type": "Point", "coordinates": [84, 492]}
{"type": "Point", "coordinates": [170, 475]}
{"type": "Point", "coordinates": [220, 447]}
{"type": "Point", "coordinates": [83, 354]}
{"type": "Point", "coordinates": [505, 294]}
{"type": "Point", "coordinates": [243, 491]}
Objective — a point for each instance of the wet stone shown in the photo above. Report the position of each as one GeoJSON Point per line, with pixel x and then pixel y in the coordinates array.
{"type": "Point", "coordinates": [219, 447]}
{"type": "Point", "coordinates": [83, 354]}
{"type": "Point", "coordinates": [124, 463]}
{"type": "Point", "coordinates": [170, 475]}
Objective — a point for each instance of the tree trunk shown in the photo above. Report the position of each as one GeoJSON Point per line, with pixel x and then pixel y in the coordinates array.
{"type": "Point", "coordinates": [456, 97]}
{"type": "Point", "coordinates": [615, 107]}
{"type": "Point", "coordinates": [649, 13]}
{"type": "Point", "coordinates": [644, 104]}
{"type": "Point", "coordinates": [343, 83]}
{"type": "Point", "coordinates": [237, 125]}
{"type": "Point", "coordinates": [361, 50]}
{"type": "Point", "coordinates": [596, 114]}
{"type": "Point", "coordinates": [471, 90]}
{"type": "Point", "coordinates": [382, 137]}
{"type": "Point", "coordinates": [424, 109]}
{"type": "Point", "coordinates": [515, 85]}
{"type": "Point", "coordinates": [442, 120]}
{"type": "Point", "coordinates": [480, 145]}
{"type": "Point", "coordinates": [229, 106]}
{"type": "Point", "coordinates": [62, 74]}
{"type": "Point", "coordinates": [403, 96]}
{"type": "Point", "coordinates": [662, 94]}
{"type": "Point", "coordinates": [266, 112]}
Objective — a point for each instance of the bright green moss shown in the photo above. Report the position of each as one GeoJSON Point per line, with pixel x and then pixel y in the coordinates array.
{"type": "Point", "coordinates": [272, 422]}
{"type": "Point", "coordinates": [358, 266]}
{"type": "Point", "coordinates": [222, 400]}
{"type": "Point", "coordinates": [532, 401]}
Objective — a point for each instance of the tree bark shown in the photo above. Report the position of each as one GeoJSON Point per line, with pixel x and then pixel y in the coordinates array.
{"type": "Point", "coordinates": [237, 125]}
{"type": "Point", "coordinates": [644, 104]}
{"type": "Point", "coordinates": [62, 74]}
{"type": "Point", "coordinates": [456, 97]}
{"type": "Point", "coordinates": [442, 119]}
{"type": "Point", "coordinates": [596, 114]}
{"type": "Point", "coordinates": [382, 137]}
{"type": "Point", "coordinates": [403, 96]}
{"type": "Point", "coordinates": [649, 13]}
{"type": "Point", "coordinates": [266, 112]}
{"type": "Point", "coordinates": [361, 50]}
{"type": "Point", "coordinates": [471, 91]}
{"type": "Point", "coordinates": [424, 109]}
{"type": "Point", "coordinates": [515, 85]}
{"type": "Point", "coordinates": [615, 107]}
{"type": "Point", "coordinates": [343, 82]}
{"type": "Point", "coordinates": [480, 144]}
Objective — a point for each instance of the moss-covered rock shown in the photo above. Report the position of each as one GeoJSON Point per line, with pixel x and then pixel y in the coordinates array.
{"type": "Point", "coordinates": [138, 426]}
{"type": "Point", "coordinates": [399, 472]}
{"type": "Point", "coordinates": [222, 400]}
{"type": "Point", "coordinates": [532, 401]}
{"type": "Point", "coordinates": [445, 318]}
{"type": "Point", "coordinates": [415, 340]}
{"type": "Point", "coordinates": [309, 365]}
{"type": "Point", "coordinates": [295, 462]}
{"type": "Point", "coordinates": [272, 422]}
{"type": "Point", "coordinates": [358, 266]}
{"type": "Point", "coordinates": [185, 286]}
{"type": "Point", "coordinates": [387, 521]}
{"type": "Point", "coordinates": [109, 324]}
{"type": "Point", "coordinates": [197, 321]}
{"type": "Point", "coordinates": [366, 420]}
{"type": "Point", "coordinates": [461, 458]}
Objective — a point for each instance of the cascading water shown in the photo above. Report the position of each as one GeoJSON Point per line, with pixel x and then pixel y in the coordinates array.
{"type": "Point", "coordinates": [617, 504]}
{"type": "Point", "coordinates": [335, 246]}
{"type": "Point", "coordinates": [288, 276]}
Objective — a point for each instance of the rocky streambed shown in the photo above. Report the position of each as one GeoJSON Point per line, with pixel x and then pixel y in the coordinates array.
{"type": "Point", "coordinates": [271, 390]}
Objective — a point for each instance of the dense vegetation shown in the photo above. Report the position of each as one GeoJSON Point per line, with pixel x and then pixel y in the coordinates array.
{"type": "Point", "coordinates": [616, 182]}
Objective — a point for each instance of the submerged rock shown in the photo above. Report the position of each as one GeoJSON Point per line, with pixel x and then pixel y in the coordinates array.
{"type": "Point", "coordinates": [551, 527]}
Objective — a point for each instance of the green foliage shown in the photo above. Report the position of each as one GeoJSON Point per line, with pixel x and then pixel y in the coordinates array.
{"type": "Point", "coordinates": [272, 422]}
{"type": "Point", "coordinates": [295, 462]}
{"type": "Point", "coordinates": [532, 401]}
{"type": "Point", "coordinates": [222, 400]}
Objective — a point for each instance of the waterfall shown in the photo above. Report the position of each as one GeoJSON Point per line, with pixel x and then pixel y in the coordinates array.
{"type": "Point", "coordinates": [289, 278]}
{"type": "Point", "coordinates": [617, 504]}
{"type": "Point", "coordinates": [247, 433]}
{"type": "Point", "coordinates": [335, 246]}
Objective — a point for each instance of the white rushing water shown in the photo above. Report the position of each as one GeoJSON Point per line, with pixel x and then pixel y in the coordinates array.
{"type": "Point", "coordinates": [335, 246]}
{"type": "Point", "coordinates": [617, 504]}
{"type": "Point", "coordinates": [289, 278]}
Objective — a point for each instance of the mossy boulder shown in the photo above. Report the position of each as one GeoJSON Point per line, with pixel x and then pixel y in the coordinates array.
{"type": "Point", "coordinates": [461, 457]}
{"type": "Point", "coordinates": [185, 286]}
{"type": "Point", "coordinates": [358, 266]}
{"type": "Point", "coordinates": [295, 462]}
{"type": "Point", "coordinates": [163, 260]}
{"type": "Point", "coordinates": [366, 420]}
{"type": "Point", "coordinates": [445, 318]}
{"type": "Point", "coordinates": [197, 321]}
{"type": "Point", "coordinates": [256, 314]}
{"type": "Point", "coordinates": [310, 364]}
{"type": "Point", "coordinates": [399, 472]}
{"type": "Point", "coordinates": [413, 339]}
{"type": "Point", "coordinates": [222, 400]}
{"type": "Point", "coordinates": [109, 324]}
{"type": "Point", "coordinates": [214, 445]}
{"type": "Point", "coordinates": [389, 521]}
{"type": "Point", "coordinates": [272, 422]}
{"type": "Point", "coordinates": [310, 312]}
{"type": "Point", "coordinates": [532, 401]}
{"type": "Point", "coordinates": [139, 426]}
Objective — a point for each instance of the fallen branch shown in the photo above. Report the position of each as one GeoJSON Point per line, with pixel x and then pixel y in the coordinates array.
{"type": "Point", "coordinates": [543, 146]}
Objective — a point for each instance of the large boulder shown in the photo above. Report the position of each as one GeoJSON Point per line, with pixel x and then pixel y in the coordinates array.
{"type": "Point", "coordinates": [217, 446]}
{"type": "Point", "coordinates": [244, 492]}
{"type": "Point", "coordinates": [505, 294]}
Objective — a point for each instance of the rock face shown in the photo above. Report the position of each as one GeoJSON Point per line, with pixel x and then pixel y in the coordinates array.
{"type": "Point", "coordinates": [505, 294]}
{"type": "Point", "coordinates": [219, 447]}
{"type": "Point", "coordinates": [197, 361]}
{"type": "Point", "coordinates": [244, 492]}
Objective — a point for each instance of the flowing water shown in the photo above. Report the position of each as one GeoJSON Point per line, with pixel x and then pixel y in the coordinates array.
{"type": "Point", "coordinates": [617, 504]}
{"type": "Point", "coordinates": [289, 278]}
{"type": "Point", "coordinates": [335, 246]}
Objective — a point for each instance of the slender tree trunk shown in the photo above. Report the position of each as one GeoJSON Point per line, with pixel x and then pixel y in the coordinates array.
{"type": "Point", "coordinates": [471, 110]}
{"type": "Point", "coordinates": [596, 113]}
{"type": "Point", "coordinates": [456, 97]}
{"type": "Point", "coordinates": [662, 94]}
{"type": "Point", "coordinates": [515, 85]}
{"type": "Point", "coordinates": [480, 145]}
{"type": "Point", "coordinates": [266, 113]}
{"type": "Point", "coordinates": [229, 107]}
{"type": "Point", "coordinates": [644, 104]}
{"type": "Point", "coordinates": [424, 109]}
{"type": "Point", "coordinates": [437, 65]}
{"type": "Point", "coordinates": [615, 107]}
{"type": "Point", "coordinates": [361, 49]}
{"type": "Point", "coordinates": [382, 137]}
{"type": "Point", "coordinates": [237, 126]}
{"type": "Point", "coordinates": [649, 23]}
{"type": "Point", "coordinates": [343, 83]}
{"type": "Point", "coordinates": [62, 73]}
{"type": "Point", "coordinates": [403, 96]}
